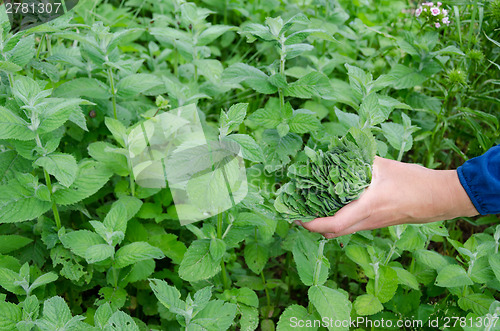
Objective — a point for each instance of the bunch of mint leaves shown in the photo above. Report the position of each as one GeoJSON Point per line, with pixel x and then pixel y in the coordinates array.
{"type": "Point", "coordinates": [328, 179]}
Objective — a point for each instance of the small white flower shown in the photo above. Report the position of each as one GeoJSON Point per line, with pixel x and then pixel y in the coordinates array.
{"type": "Point", "coordinates": [438, 25]}
{"type": "Point", "coordinates": [435, 11]}
{"type": "Point", "coordinates": [418, 11]}
{"type": "Point", "coordinates": [445, 12]}
{"type": "Point", "coordinates": [446, 21]}
{"type": "Point", "coordinates": [428, 4]}
{"type": "Point", "coordinates": [439, 4]}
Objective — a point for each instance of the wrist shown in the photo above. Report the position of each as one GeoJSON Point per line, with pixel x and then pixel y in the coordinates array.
{"type": "Point", "coordinates": [458, 201]}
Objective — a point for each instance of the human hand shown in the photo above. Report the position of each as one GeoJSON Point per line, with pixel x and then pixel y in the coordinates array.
{"type": "Point", "coordinates": [399, 193]}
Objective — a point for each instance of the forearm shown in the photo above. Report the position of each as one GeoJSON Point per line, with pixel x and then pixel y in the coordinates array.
{"type": "Point", "coordinates": [454, 199]}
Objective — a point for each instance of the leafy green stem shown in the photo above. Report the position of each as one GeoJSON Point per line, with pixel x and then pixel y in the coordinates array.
{"type": "Point", "coordinates": [220, 223]}
{"type": "Point", "coordinates": [49, 44]}
{"type": "Point", "coordinates": [268, 297]}
{"type": "Point", "coordinates": [472, 23]}
{"type": "Point", "coordinates": [113, 91]}
{"type": "Point", "coordinates": [39, 48]}
{"type": "Point", "coordinates": [401, 151]}
{"type": "Point", "coordinates": [11, 80]}
{"type": "Point", "coordinates": [115, 277]}
{"type": "Point", "coordinates": [280, 290]}
{"type": "Point", "coordinates": [317, 268]}
{"type": "Point", "coordinates": [54, 205]}
{"type": "Point", "coordinates": [263, 277]}
{"type": "Point", "coordinates": [391, 253]}
{"type": "Point", "coordinates": [63, 2]}
{"type": "Point", "coordinates": [176, 62]}
{"type": "Point", "coordinates": [131, 176]}
{"type": "Point", "coordinates": [282, 73]}
{"type": "Point", "coordinates": [319, 260]}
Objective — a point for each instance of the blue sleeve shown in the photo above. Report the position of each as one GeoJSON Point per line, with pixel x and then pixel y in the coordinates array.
{"type": "Point", "coordinates": [480, 178]}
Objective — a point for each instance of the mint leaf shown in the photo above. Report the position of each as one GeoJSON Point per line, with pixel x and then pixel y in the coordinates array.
{"type": "Point", "coordinates": [91, 177]}
{"type": "Point", "coordinates": [135, 252]}
{"type": "Point", "coordinates": [453, 276]}
{"type": "Point", "coordinates": [256, 256]}
{"type": "Point", "coordinates": [303, 123]}
{"type": "Point", "coordinates": [367, 304]}
{"type": "Point", "coordinates": [56, 315]}
{"type": "Point", "coordinates": [9, 281]}
{"type": "Point", "coordinates": [13, 126]}
{"type": "Point", "coordinates": [121, 321]}
{"type": "Point", "coordinates": [83, 87]}
{"type": "Point", "coordinates": [305, 255]}
{"type": "Point", "coordinates": [62, 166]}
{"type": "Point", "coordinates": [295, 313]}
{"type": "Point", "coordinates": [169, 296]}
{"type": "Point", "coordinates": [254, 77]}
{"type": "Point", "coordinates": [314, 83]}
{"type": "Point", "coordinates": [217, 315]}
{"type": "Point", "coordinates": [80, 241]}
{"type": "Point", "coordinates": [198, 263]}
{"type": "Point", "coordinates": [98, 253]}
{"type": "Point", "coordinates": [230, 120]}
{"type": "Point", "coordinates": [211, 33]}
{"type": "Point", "coordinates": [250, 150]}
{"type": "Point", "coordinates": [10, 314]}
{"type": "Point", "coordinates": [18, 203]}
{"type": "Point", "coordinates": [170, 246]}
{"type": "Point", "coordinates": [405, 77]}
{"type": "Point", "coordinates": [330, 304]}
{"type": "Point", "coordinates": [9, 243]}
{"type": "Point", "coordinates": [135, 84]}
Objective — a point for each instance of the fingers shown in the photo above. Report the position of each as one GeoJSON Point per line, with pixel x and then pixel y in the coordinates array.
{"type": "Point", "coordinates": [356, 216]}
{"type": "Point", "coordinates": [345, 218]}
{"type": "Point", "coordinates": [361, 226]}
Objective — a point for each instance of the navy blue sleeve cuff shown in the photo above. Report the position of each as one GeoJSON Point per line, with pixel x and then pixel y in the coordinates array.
{"type": "Point", "coordinates": [480, 177]}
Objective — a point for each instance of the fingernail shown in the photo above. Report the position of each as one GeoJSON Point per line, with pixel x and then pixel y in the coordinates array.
{"type": "Point", "coordinates": [297, 222]}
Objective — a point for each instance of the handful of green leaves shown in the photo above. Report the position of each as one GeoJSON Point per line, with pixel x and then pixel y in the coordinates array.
{"type": "Point", "coordinates": [328, 180]}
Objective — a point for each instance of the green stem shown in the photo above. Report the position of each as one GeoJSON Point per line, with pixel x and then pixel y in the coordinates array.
{"type": "Point", "coordinates": [11, 80]}
{"type": "Point", "coordinates": [113, 92]}
{"type": "Point", "coordinates": [220, 223]}
{"type": "Point", "coordinates": [225, 12]}
{"type": "Point", "coordinates": [280, 290]}
{"type": "Point", "coordinates": [472, 22]}
{"type": "Point", "coordinates": [54, 205]}
{"type": "Point", "coordinates": [49, 45]}
{"type": "Point", "coordinates": [459, 25]}
{"type": "Point", "coordinates": [63, 2]}
{"type": "Point", "coordinates": [268, 297]}
{"type": "Point", "coordinates": [319, 260]}
{"type": "Point", "coordinates": [401, 151]}
{"type": "Point", "coordinates": [131, 177]}
{"type": "Point", "coordinates": [317, 268]}
{"type": "Point", "coordinates": [39, 49]}
{"type": "Point", "coordinates": [282, 72]}
{"type": "Point", "coordinates": [391, 252]}
{"type": "Point", "coordinates": [115, 277]}
{"type": "Point", "coordinates": [176, 63]}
